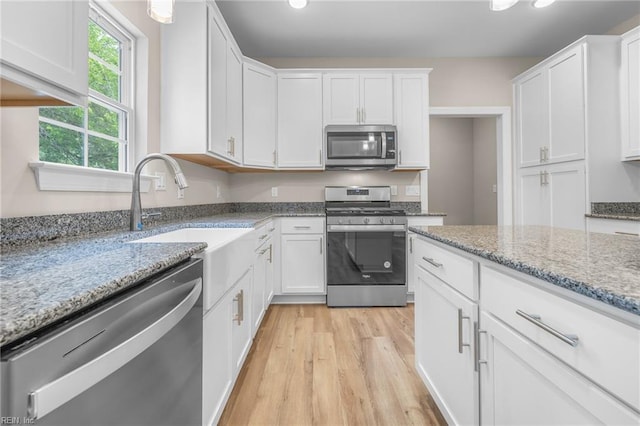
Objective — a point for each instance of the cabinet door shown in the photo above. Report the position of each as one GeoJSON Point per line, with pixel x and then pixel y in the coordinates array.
{"type": "Point", "coordinates": [411, 272]}
{"type": "Point", "coordinates": [241, 322]}
{"type": "Point", "coordinates": [234, 102]}
{"type": "Point", "coordinates": [376, 99]}
{"type": "Point", "coordinates": [630, 95]}
{"type": "Point", "coordinates": [216, 360]}
{"type": "Point", "coordinates": [411, 93]}
{"type": "Point", "coordinates": [341, 98]}
{"type": "Point", "coordinates": [445, 348]}
{"type": "Point", "coordinates": [533, 197]}
{"type": "Point", "coordinates": [259, 110]}
{"type": "Point", "coordinates": [218, 138]}
{"type": "Point", "coordinates": [522, 384]}
{"type": "Point", "coordinates": [567, 195]}
{"type": "Point", "coordinates": [300, 121]}
{"type": "Point", "coordinates": [567, 107]}
{"type": "Point", "coordinates": [531, 118]}
{"type": "Point", "coordinates": [48, 40]}
{"type": "Point", "coordinates": [258, 288]}
{"type": "Point", "coordinates": [303, 263]}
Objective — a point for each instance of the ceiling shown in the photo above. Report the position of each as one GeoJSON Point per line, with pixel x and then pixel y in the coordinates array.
{"type": "Point", "coordinates": [416, 28]}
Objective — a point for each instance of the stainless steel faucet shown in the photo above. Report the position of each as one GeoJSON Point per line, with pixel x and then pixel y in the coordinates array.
{"type": "Point", "coordinates": [136, 206]}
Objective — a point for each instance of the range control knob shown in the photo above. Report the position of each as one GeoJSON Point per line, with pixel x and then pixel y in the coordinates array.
{"type": "Point", "coordinates": [366, 220]}
{"type": "Point", "coordinates": [349, 221]}
{"type": "Point", "coordinates": [339, 221]}
{"type": "Point", "coordinates": [392, 220]}
{"type": "Point", "coordinates": [382, 220]}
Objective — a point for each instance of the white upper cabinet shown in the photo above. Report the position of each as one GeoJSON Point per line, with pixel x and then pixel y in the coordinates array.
{"type": "Point", "coordinates": [299, 120]}
{"type": "Point", "coordinates": [630, 95]}
{"type": "Point", "coordinates": [411, 93]}
{"type": "Point", "coordinates": [44, 47]}
{"type": "Point", "coordinates": [550, 121]}
{"type": "Point", "coordinates": [201, 86]}
{"type": "Point", "coordinates": [358, 98]}
{"type": "Point", "coordinates": [259, 100]}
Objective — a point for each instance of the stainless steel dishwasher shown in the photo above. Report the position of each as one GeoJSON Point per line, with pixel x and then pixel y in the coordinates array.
{"type": "Point", "coordinates": [136, 359]}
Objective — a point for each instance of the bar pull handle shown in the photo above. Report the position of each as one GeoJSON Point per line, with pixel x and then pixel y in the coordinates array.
{"type": "Point", "coordinates": [270, 253]}
{"type": "Point", "coordinates": [364, 116]}
{"type": "Point", "coordinates": [302, 227]}
{"type": "Point", "coordinates": [410, 244]}
{"type": "Point", "coordinates": [433, 262]}
{"type": "Point", "coordinates": [476, 348]}
{"type": "Point", "coordinates": [625, 233]}
{"type": "Point", "coordinates": [263, 236]}
{"type": "Point", "coordinates": [569, 339]}
{"type": "Point", "coordinates": [240, 300]}
{"type": "Point", "coordinates": [47, 398]}
{"type": "Point", "coordinates": [321, 244]}
{"type": "Point", "coordinates": [461, 317]}
{"type": "Point", "coordinates": [263, 251]}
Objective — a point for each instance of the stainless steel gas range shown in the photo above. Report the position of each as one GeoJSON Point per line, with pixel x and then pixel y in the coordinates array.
{"type": "Point", "coordinates": [366, 250]}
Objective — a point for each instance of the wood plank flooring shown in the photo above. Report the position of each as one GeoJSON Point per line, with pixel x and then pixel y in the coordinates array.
{"type": "Point", "coordinates": [314, 365]}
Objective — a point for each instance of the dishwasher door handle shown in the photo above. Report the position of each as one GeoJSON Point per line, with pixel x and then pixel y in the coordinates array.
{"type": "Point", "coordinates": [54, 394]}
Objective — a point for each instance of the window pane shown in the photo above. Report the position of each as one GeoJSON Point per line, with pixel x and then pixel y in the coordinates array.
{"type": "Point", "coordinates": [67, 115]}
{"type": "Point", "coordinates": [103, 45]}
{"type": "Point", "coordinates": [60, 145]}
{"type": "Point", "coordinates": [104, 80]}
{"type": "Point", "coordinates": [104, 120]}
{"type": "Point", "coordinates": [103, 154]}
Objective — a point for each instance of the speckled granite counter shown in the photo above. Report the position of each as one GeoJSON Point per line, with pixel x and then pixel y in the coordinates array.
{"type": "Point", "coordinates": [601, 266]}
{"type": "Point", "coordinates": [430, 214]}
{"type": "Point", "coordinates": [627, 216]}
{"type": "Point", "coordinates": [616, 211]}
{"type": "Point", "coordinates": [44, 282]}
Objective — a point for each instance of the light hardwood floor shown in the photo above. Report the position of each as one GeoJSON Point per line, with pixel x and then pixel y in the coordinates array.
{"type": "Point", "coordinates": [314, 365]}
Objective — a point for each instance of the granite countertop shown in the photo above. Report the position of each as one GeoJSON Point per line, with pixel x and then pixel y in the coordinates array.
{"type": "Point", "coordinates": [426, 214]}
{"type": "Point", "coordinates": [622, 216]}
{"type": "Point", "coordinates": [600, 266]}
{"type": "Point", "coordinates": [44, 282]}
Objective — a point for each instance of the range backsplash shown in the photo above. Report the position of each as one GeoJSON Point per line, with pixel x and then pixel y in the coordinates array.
{"type": "Point", "coordinates": [18, 231]}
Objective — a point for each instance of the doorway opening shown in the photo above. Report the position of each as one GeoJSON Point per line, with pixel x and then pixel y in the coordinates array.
{"type": "Point", "coordinates": [470, 178]}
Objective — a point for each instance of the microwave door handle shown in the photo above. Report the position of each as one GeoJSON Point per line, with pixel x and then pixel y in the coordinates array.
{"type": "Point", "coordinates": [384, 144]}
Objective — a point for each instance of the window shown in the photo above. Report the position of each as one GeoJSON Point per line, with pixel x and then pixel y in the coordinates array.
{"type": "Point", "coordinates": [97, 136]}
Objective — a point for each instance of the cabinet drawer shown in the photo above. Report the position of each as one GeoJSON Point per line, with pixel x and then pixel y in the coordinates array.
{"type": "Point", "coordinates": [302, 225]}
{"type": "Point", "coordinates": [264, 233]}
{"type": "Point", "coordinates": [614, 226]}
{"type": "Point", "coordinates": [606, 350]}
{"type": "Point", "coordinates": [451, 268]}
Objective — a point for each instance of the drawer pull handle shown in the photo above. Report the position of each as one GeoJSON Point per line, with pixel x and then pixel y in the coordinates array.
{"type": "Point", "coordinates": [301, 227]}
{"type": "Point", "coordinates": [569, 339]}
{"type": "Point", "coordinates": [263, 236]}
{"type": "Point", "coordinates": [460, 343]}
{"type": "Point", "coordinates": [431, 261]}
{"type": "Point", "coordinates": [626, 233]}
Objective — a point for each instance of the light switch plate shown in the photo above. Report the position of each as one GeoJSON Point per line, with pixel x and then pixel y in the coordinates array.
{"type": "Point", "coordinates": [412, 190]}
{"type": "Point", "coordinates": [161, 181]}
{"type": "Point", "coordinates": [274, 191]}
{"type": "Point", "coordinates": [394, 189]}
{"type": "Point", "coordinates": [180, 193]}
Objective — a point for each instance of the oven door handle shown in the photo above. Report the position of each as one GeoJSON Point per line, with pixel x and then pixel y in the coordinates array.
{"type": "Point", "coordinates": [384, 145]}
{"type": "Point", "coordinates": [366, 228]}
{"type": "Point", "coordinates": [52, 395]}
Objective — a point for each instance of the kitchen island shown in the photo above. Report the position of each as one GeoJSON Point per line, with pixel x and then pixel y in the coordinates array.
{"type": "Point", "coordinates": [528, 324]}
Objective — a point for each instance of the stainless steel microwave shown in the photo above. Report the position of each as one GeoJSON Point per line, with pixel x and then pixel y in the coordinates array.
{"type": "Point", "coordinates": [360, 147]}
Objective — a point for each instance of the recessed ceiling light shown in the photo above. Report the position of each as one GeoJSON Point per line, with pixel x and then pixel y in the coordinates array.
{"type": "Point", "coordinates": [498, 5]}
{"type": "Point", "coordinates": [161, 10]}
{"type": "Point", "coordinates": [542, 3]}
{"type": "Point", "coordinates": [298, 4]}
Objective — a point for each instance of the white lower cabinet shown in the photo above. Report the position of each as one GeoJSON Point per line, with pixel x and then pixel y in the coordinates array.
{"type": "Point", "coordinates": [613, 226]}
{"type": "Point", "coordinates": [226, 342]}
{"type": "Point", "coordinates": [302, 255]}
{"type": "Point", "coordinates": [263, 276]}
{"type": "Point", "coordinates": [523, 384]}
{"type": "Point", "coordinates": [535, 357]}
{"type": "Point", "coordinates": [444, 339]}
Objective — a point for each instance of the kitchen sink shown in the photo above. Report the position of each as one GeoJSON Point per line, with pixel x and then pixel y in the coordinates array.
{"type": "Point", "coordinates": [227, 258]}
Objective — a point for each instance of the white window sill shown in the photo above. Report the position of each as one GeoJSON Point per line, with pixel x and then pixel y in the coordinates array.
{"type": "Point", "coordinates": [64, 177]}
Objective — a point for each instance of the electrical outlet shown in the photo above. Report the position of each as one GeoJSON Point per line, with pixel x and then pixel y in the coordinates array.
{"type": "Point", "coordinates": [394, 189]}
{"type": "Point", "coordinates": [274, 191]}
{"type": "Point", "coordinates": [494, 188]}
{"type": "Point", "coordinates": [218, 192]}
{"type": "Point", "coordinates": [180, 193]}
{"type": "Point", "coordinates": [161, 181]}
{"type": "Point", "coordinates": [412, 190]}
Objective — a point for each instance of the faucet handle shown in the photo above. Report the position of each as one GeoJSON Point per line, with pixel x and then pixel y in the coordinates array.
{"type": "Point", "coordinates": [151, 214]}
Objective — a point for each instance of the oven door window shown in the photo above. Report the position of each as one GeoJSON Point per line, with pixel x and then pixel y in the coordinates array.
{"type": "Point", "coordinates": [354, 145]}
{"type": "Point", "coordinates": [366, 258]}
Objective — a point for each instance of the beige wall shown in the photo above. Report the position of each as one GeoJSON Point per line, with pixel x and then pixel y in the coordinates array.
{"type": "Point", "coordinates": [625, 26]}
{"type": "Point", "coordinates": [309, 186]}
{"type": "Point", "coordinates": [485, 169]}
{"type": "Point", "coordinates": [453, 81]}
{"type": "Point", "coordinates": [19, 195]}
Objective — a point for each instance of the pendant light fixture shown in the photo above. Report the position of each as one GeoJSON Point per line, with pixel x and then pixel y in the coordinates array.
{"type": "Point", "coordinates": [161, 10]}
{"type": "Point", "coordinates": [298, 4]}
{"type": "Point", "coordinates": [542, 3]}
{"type": "Point", "coordinates": [498, 5]}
